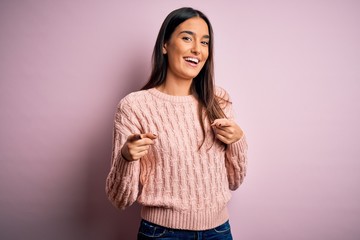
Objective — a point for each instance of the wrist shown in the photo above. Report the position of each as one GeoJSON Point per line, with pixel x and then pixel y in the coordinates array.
{"type": "Point", "coordinates": [125, 156]}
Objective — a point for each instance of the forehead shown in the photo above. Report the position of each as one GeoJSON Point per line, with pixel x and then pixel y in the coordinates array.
{"type": "Point", "coordinates": [196, 25]}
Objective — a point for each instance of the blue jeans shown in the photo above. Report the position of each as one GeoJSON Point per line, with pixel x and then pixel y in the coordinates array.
{"type": "Point", "coordinates": [150, 231]}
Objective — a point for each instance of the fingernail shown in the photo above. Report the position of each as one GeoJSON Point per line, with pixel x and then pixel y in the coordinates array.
{"type": "Point", "coordinates": [154, 134]}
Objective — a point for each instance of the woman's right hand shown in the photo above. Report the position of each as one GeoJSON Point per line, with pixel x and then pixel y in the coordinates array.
{"type": "Point", "coordinates": [137, 145]}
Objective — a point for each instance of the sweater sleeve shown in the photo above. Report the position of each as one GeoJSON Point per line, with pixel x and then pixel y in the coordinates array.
{"type": "Point", "coordinates": [236, 162]}
{"type": "Point", "coordinates": [122, 183]}
{"type": "Point", "coordinates": [235, 153]}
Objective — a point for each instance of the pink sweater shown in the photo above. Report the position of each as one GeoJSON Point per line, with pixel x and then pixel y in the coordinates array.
{"type": "Point", "coordinates": [178, 185]}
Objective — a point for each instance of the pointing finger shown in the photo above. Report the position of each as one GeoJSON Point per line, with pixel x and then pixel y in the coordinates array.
{"type": "Point", "coordinates": [222, 122]}
{"type": "Point", "coordinates": [134, 137]}
{"type": "Point", "coordinates": [149, 135]}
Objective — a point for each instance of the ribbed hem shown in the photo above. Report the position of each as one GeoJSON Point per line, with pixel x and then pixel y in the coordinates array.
{"type": "Point", "coordinates": [189, 220]}
{"type": "Point", "coordinates": [171, 98]}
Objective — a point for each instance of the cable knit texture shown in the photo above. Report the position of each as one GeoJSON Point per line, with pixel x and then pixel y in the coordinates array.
{"type": "Point", "coordinates": [178, 185]}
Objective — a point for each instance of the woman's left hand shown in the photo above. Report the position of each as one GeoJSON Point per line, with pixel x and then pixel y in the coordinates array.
{"type": "Point", "coordinates": [227, 130]}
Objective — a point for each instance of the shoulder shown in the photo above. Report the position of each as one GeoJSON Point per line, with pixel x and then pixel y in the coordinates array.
{"type": "Point", "coordinates": [132, 101]}
{"type": "Point", "coordinates": [134, 98]}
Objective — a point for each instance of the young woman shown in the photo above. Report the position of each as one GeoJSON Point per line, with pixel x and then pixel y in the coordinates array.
{"type": "Point", "coordinates": [177, 149]}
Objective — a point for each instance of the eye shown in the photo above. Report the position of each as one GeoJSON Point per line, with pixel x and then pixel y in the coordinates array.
{"type": "Point", "coordinates": [187, 39]}
{"type": "Point", "coordinates": [205, 43]}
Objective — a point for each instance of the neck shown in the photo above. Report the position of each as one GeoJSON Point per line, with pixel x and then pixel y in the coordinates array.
{"type": "Point", "coordinates": [176, 88]}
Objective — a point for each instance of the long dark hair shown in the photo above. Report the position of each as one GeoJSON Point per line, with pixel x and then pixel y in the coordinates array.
{"type": "Point", "coordinates": [203, 84]}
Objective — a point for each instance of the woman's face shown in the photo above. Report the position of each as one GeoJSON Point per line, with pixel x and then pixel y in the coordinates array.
{"type": "Point", "coordinates": [187, 49]}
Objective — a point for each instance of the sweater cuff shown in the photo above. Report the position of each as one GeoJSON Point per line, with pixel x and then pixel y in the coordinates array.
{"type": "Point", "coordinates": [125, 167]}
{"type": "Point", "coordinates": [122, 182]}
{"type": "Point", "coordinates": [237, 148]}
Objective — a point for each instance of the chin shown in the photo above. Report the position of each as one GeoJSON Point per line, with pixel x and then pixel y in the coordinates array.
{"type": "Point", "coordinates": [194, 75]}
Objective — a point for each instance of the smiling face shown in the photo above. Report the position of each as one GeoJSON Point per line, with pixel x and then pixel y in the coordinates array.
{"type": "Point", "coordinates": [187, 50]}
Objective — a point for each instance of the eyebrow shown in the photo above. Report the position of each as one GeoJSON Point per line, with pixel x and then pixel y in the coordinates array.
{"type": "Point", "coordinates": [192, 34]}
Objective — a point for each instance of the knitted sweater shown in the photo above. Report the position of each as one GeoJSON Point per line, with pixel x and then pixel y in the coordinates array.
{"type": "Point", "coordinates": [178, 185]}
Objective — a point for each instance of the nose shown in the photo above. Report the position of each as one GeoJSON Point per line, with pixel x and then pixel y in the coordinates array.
{"type": "Point", "coordinates": [195, 48]}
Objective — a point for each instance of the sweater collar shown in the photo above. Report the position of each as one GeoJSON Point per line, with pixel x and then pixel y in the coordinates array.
{"type": "Point", "coordinates": [171, 98]}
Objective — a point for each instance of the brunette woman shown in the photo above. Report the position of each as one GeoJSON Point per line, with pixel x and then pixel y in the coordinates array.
{"type": "Point", "coordinates": [176, 147]}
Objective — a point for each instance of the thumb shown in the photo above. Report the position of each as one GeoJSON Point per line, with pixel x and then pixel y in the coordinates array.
{"type": "Point", "coordinates": [149, 135]}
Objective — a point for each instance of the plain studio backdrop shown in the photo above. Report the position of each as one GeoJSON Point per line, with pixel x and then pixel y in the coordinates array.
{"type": "Point", "coordinates": [291, 67]}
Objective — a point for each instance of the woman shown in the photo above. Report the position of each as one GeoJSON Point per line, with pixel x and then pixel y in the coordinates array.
{"type": "Point", "coordinates": [177, 150]}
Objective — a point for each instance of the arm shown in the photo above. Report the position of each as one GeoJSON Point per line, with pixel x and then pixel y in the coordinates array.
{"type": "Point", "coordinates": [122, 183]}
{"type": "Point", "coordinates": [227, 131]}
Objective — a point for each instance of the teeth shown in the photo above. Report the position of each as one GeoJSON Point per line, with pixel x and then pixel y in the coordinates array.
{"type": "Point", "coordinates": [195, 60]}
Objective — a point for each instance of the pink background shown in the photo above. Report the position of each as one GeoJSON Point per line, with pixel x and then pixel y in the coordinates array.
{"type": "Point", "coordinates": [291, 67]}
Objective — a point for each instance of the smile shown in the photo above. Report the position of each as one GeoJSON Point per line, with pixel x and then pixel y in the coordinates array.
{"type": "Point", "coordinates": [192, 60]}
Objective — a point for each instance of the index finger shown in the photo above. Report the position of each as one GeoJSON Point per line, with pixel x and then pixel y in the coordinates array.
{"type": "Point", "coordinates": [149, 135]}
{"type": "Point", "coordinates": [221, 122]}
{"type": "Point", "coordinates": [134, 137]}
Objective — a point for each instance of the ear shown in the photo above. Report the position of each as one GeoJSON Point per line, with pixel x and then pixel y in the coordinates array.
{"type": "Point", "coordinates": [164, 49]}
